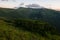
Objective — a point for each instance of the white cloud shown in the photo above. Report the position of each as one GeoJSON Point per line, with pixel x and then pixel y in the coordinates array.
{"type": "Point", "coordinates": [33, 6]}
{"type": "Point", "coordinates": [54, 4]}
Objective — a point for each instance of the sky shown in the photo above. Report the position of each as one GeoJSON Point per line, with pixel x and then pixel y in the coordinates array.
{"type": "Point", "coordinates": [53, 4]}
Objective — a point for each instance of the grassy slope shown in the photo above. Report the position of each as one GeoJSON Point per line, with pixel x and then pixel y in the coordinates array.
{"type": "Point", "coordinates": [9, 32]}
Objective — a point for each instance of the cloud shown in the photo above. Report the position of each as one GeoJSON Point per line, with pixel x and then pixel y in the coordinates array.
{"type": "Point", "coordinates": [32, 6]}
{"type": "Point", "coordinates": [22, 4]}
{"type": "Point", "coordinates": [8, 0]}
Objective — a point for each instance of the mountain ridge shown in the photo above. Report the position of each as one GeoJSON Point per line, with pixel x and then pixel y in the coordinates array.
{"type": "Point", "coordinates": [48, 15]}
{"type": "Point", "coordinates": [29, 24]}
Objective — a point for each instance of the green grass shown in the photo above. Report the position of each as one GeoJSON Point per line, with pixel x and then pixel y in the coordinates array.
{"type": "Point", "coordinates": [9, 32]}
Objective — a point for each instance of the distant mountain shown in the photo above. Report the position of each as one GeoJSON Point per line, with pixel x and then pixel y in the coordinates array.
{"type": "Point", "coordinates": [48, 15]}
{"type": "Point", "coordinates": [29, 24]}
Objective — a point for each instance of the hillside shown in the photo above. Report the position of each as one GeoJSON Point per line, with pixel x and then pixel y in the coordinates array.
{"type": "Point", "coordinates": [29, 24]}
{"type": "Point", "coordinates": [48, 15]}
{"type": "Point", "coordinates": [23, 29]}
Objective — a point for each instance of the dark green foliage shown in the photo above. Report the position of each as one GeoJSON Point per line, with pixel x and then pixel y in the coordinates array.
{"type": "Point", "coordinates": [26, 29]}
{"type": "Point", "coordinates": [48, 15]}
{"type": "Point", "coordinates": [29, 24]}
{"type": "Point", "coordinates": [35, 26]}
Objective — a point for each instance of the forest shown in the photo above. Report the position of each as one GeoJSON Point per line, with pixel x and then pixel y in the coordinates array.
{"type": "Point", "coordinates": [29, 24]}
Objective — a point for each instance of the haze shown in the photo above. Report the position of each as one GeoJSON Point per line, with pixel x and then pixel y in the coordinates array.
{"type": "Point", "coordinates": [53, 4]}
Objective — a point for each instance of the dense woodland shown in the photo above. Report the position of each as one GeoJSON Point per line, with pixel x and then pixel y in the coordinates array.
{"type": "Point", "coordinates": [29, 24]}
